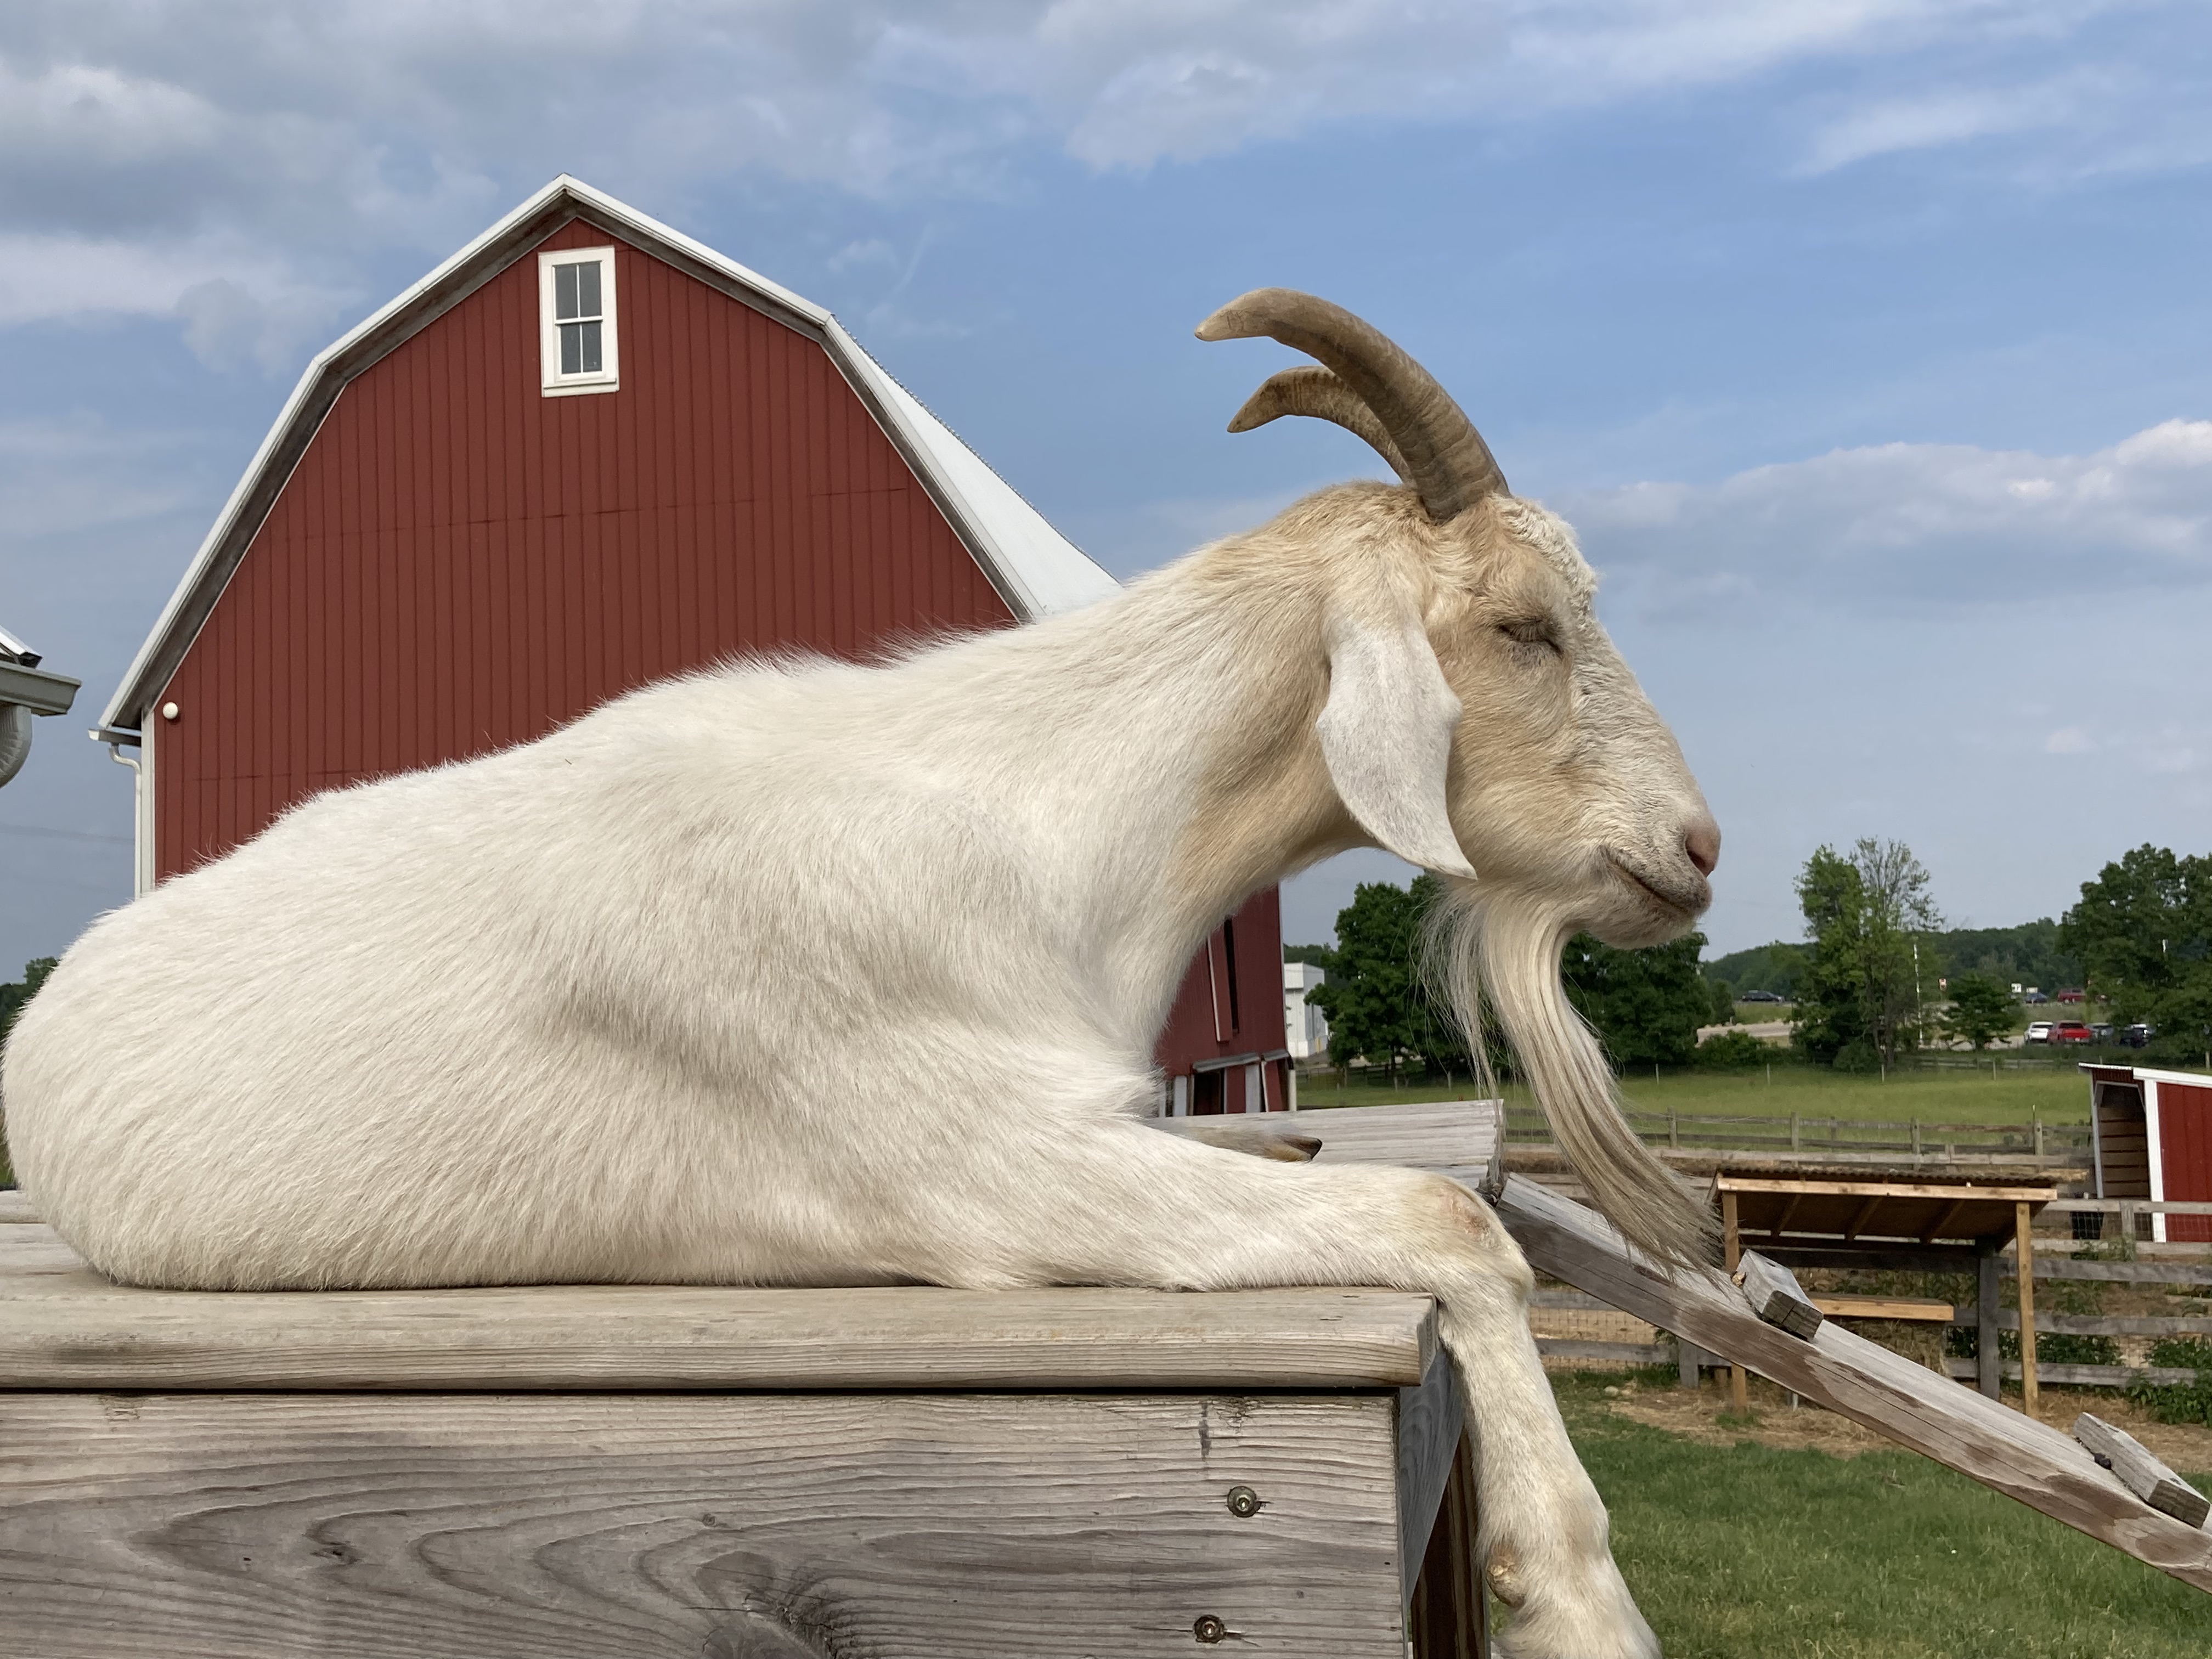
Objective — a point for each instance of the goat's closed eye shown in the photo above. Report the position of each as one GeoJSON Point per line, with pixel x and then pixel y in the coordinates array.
{"type": "Point", "coordinates": [1532, 630]}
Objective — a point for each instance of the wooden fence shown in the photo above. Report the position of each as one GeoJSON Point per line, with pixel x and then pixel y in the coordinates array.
{"type": "Point", "coordinates": [2162, 1271]}
{"type": "Point", "coordinates": [1847, 1140]}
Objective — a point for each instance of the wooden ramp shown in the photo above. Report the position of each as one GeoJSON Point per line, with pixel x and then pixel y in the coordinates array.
{"type": "Point", "coordinates": [1999, 1447]}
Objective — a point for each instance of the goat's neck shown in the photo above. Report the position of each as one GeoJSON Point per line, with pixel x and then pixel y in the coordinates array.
{"type": "Point", "coordinates": [1191, 776]}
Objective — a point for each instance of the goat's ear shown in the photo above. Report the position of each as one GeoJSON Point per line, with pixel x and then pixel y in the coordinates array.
{"type": "Point", "coordinates": [1387, 735]}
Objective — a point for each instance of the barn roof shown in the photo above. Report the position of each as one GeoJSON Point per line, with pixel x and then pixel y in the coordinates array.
{"type": "Point", "coordinates": [1035, 570]}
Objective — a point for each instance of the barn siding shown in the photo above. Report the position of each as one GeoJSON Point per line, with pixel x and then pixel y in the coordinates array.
{"type": "Point", "coordinates": [1202, 1005]}
{"type": "Point", "coordinates": [460, 563]}
{"type": "Point", "coordinates": [2184, 1138]}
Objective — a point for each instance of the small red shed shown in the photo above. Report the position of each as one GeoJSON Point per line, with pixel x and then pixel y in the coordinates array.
{"type": "Point", "coordinates": [584, 453]}
{"type": "Point", "coordinates": [2151, 1134]}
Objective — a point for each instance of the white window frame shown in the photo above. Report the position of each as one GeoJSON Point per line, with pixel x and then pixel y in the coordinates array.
{"type": "Point", "coordinates": [552, 382]}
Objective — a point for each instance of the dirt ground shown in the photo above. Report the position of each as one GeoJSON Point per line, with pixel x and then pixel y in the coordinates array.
{"type": "Point", "coordinates": [2184, 1447]}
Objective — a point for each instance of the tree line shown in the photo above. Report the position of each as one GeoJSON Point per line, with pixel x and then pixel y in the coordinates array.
{"type": "Point", "coordinates": [1877, 976]}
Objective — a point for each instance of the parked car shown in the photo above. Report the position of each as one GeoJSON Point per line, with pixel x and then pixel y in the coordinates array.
{"type": "Point", "coordinates": [2035, 999]}
{"type": "Point", "coordinates": [2071, 1031]}
{"type": "Point", "coordinates": [2039, 1031]}
{"type": "Point", "coordinates": [2137, 1036]}
{"type": "Point", "coordinates": [1762, 996]}
{"type": "Point", "coordinates": [2102, 1030]}
{"type": "Point", "coordinates": [2070, 996]}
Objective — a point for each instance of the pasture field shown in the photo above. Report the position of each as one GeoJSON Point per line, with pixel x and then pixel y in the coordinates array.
{"type": "Point", "coordinates": [1743, 1551]}
{"type": "Point", "coordinates": [1951, 1094]}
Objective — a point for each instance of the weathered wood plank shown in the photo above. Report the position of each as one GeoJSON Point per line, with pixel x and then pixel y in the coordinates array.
{"type": "Point", "coordinates": [62, 1326]}
{"type": "Point", "coordinates": [2123, 1272]}
{"type": "Point", "coordinates": [1455, 1137]}
{"type": "Point", "coordinates": [1448, 1616]}
{"type": "Point", "coordinates": [1886, 1307]}
{"type": "Point", "coordinates": [1775, 1296]}
{"type": "Point", "coordinates": [1622, 1353]}
{"type": "Point", "coordinates": [2083, 1376]}
{"type": "Point", "coordinates": [1429, 1420]}
{"type": "Point", "coordinates": [2141, 1473]}
{"type": "Point", "coordinates": [2005, 1450]}
{"type": "Point", "coordinates": [583, 1527]}
{"type": "Point", "coordinates": [2095, 1324]}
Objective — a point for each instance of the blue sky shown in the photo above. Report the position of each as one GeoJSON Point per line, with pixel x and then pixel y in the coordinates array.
{"type": "Point", "coordinates": [1866, 343]}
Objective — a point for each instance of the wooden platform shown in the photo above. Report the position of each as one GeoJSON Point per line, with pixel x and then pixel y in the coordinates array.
{"type": "Point", "coordinates": [665, 1473]}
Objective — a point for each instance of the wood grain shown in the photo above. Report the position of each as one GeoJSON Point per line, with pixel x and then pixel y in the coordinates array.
{"type": "Point", "coordinates": [674, 1527]}
{"type": "Point", "coordinates": [2011, 1453]}
{"type": "Point", "coordinates": [1449, 1616]}
{"type": "Point", "coordinates": [1457, 1138]}
{"type": "Point", "coordinates": [63, 1326]}
{"type": "Point", "coordinates": [2140, 1472]}
{"type": "Point", "coordinates": [1430, 1420]}
{"type": "Point", "coordinates": [1776, 1296]}
{"type": "Point", "coordinates": [1886, 1307]}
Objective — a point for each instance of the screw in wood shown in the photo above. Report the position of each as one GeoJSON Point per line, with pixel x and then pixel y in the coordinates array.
{"type": "Point", "coordinates": [1243, 1503]}
{"type": "Point", "coordinates": [1208, 1629]}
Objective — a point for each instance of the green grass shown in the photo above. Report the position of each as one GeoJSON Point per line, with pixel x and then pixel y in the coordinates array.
{"type": "Point", "coordinates": [2057, 1095]}
{"type": "Point", "coordinates": [1751, 1552]}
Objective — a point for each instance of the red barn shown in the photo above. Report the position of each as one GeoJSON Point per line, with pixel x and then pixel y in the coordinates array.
{"type": "Point", "coordinates": [584, 453]}
{"type": "Point", "coordinates": [2151, 1135]}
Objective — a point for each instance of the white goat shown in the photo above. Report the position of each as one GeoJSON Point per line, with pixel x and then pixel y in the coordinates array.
{"type": "Point", "coordinates": [801, 973]}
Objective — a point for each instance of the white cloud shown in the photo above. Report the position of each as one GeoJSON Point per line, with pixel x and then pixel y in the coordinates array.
{"type": "Point", "coordinates": [1947, 116]}
{"type": "Point", "coordinates": [2068, 740]}
{"type": "Point", "coordinates": [1897, 527]}
{"type": "Point", "coordinates": [377, 123]}
{"type": "Point", "coordinates": [855, 255]}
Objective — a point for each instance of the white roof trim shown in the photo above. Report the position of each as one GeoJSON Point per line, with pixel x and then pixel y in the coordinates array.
{"type": "Point", "coordinates": [1036, 569]}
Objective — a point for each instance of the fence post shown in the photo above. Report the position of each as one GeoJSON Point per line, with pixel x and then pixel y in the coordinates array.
{"type": "Point", "coordinates": [1674, 1135]}
{"type": "Point", "coordinates": [1916, 1137]}
{"type": "Point", "coordinates": [1793, 1132]}
{"type": "Point", "coordinates": [2038, 1138]}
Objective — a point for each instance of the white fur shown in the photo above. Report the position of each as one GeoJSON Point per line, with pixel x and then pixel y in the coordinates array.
{"type": "Point", "coordinates": [803, 973]}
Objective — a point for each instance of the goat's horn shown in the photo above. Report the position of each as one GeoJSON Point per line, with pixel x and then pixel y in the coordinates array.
{"type": "Point", "coordinates": [1439, 452]}
{"type": "Point", "coordinates": [1315, 390]}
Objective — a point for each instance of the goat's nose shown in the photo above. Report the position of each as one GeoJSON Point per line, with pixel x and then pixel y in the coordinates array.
{"type": "Point", "coordinates": [1701, 841]}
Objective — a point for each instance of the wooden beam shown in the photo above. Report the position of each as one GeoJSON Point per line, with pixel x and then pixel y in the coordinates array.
{"type": "Point", "coordinates": [1949, 1215]}
{"type": "Point", "coordinates": [1431, 1421]}
{"type": "Point", "coordinates": [1723, 1181]}
{"type": "Point", "coordinates": [1448, 1618]}
{"type": "Point", "coordinates": [1776, 1296]}
{"type": "Point", "coordinates": [1989, 1361]}
{"type": "Point", "coordinates": [1788, 1212]}
{"type": "Point", "coordinates": [2012, 1453]}
{"type": "Point", "coordinates": [62, 1326]}
{"type": "Point", "coordinates": [2141, 1473]}
{"type": "Point", "coordinates": [1885, 1307]}
{"type": "Point", "coordinates": [2024, 1269]}
{"type": "Point", "coordinates": [725, 1526]}
{"type": "Point", "coordinates": [1732, 1256]}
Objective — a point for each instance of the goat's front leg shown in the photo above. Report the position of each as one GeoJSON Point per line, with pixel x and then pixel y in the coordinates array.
{"type": "Point", "coordinates": [1120, 1204]}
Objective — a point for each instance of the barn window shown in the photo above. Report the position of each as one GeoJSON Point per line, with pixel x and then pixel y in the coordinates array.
{"type": "Point", "coordinates": [576, 320]}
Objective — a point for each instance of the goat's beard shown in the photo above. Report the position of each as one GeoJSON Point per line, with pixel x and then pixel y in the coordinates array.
{"type": "Point", "coordinates": [1501, 951]}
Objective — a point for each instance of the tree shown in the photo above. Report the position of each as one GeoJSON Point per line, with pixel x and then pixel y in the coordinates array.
{"type": "Point", "coordinates": [1646, 1006]}
{"type": "Point", "coordinates": [1723, 1009]}
{"type": "Point", "coordinates": [13, 997]}
{"type": "Point", "coordinates": [1378, 1004]}
{"type": "Point", "coordinates": [1764, 968]}
{"type": "Point", "coordinates": [1981, 1008]}
{"type": "Point", "coordinates": [1858, 991]}
{"type": "Point", "coordinates": [2144, 933]}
